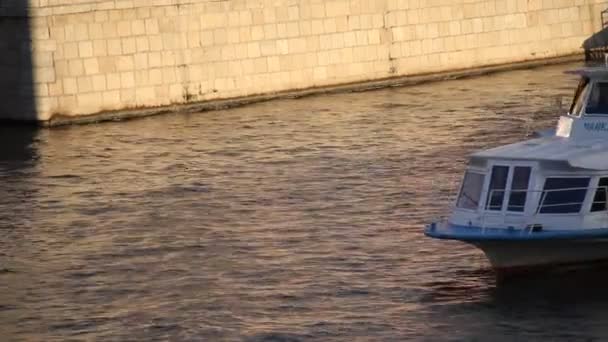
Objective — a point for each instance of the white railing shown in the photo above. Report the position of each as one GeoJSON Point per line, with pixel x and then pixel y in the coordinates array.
{"type": "Point", "coordinates": [530, 219]}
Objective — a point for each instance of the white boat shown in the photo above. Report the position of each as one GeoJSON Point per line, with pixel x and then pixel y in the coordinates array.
{"type": "Point", "coordinates": [540, 202]}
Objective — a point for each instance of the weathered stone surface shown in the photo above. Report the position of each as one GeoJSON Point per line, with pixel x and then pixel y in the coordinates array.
{"type": "Point", "coordinates": [78, 57]}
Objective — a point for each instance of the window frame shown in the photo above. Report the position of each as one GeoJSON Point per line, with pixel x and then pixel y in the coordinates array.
{"type": "Point", "coordinates": [584, 207]}
{"type": "Point", "coordinates": [591, 86]}
{"type": "Point", "coordinates": [597, 182]}
{"type": "Point", "coordinates": [531, 197]}
{"type": "Point", "coordinates": [488, 200]}
{"type": "Point", "coordinates": [527, 191]}
{"type": "Point", "coordinates": [581, 95]}
{"type": "Point", "coordinates": [483, 174]}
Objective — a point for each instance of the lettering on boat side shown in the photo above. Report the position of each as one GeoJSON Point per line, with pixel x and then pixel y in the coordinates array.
{"type": "Point", "coordinates": [596, 126]}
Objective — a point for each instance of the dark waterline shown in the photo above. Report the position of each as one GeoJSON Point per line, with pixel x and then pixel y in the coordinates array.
{"type": "Point", "coordinates": [282, 221]}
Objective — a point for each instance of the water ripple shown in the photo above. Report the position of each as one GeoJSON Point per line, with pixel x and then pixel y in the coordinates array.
{"type": "Point", "coordinates": [291, 220]}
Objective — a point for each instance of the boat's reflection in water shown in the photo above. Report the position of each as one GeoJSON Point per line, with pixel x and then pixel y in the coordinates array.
{"type": "Point", "coordinates": [558, 304]}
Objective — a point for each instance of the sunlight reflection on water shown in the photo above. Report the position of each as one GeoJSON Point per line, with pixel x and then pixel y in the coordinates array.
{"type": "Point", "coordinates": [288, 220]}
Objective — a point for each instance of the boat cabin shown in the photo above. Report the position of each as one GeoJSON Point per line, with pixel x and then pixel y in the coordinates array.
{"type": "Point", "coordinates": [558, 181]}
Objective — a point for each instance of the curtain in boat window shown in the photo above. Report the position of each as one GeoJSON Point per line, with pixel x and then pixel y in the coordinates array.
{"type": "Point", "coordinates": [563, 195]}
{"type": "Point", "coordinates": [471, 190]}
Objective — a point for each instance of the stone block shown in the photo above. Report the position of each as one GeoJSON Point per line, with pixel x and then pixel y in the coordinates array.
{"type": "Point", "coordinates": [127, 80]}
{"type": "Point", "coordinates": [228, 52]}
{"type": "Point", "coordinates": [89, 103]}
{"type": "Point", "coordinates": [282, 30]}
{"type": "Point", "coordinates": [114, 47]}
{"type": "Point", "coordinates": [42, 59]}
{"type": "Point", "coordinates": [273, 64]}
{"type": "Point", "coordinates": [329, 25]}
{"type": "Point", "coordinates": [85, 84]}
{"type": "Point", "coordinates": [138, 27]}
{"type": "Point", "coordinates": [151, 25]}
{"type": "Point", "coordinates": [168, 58]}
{"type": "Point", "coordinates": [70, 86]}
{"type": "Point", "coordinates": [41, 89]}
{"type": "Point", "coordinates": [270, 32]}
{"type": "Point", "coordinates": [141, 61]}
{"type": "Point", "coordinates": [317, 27]}
{"type": "Point", "coordinates": [268, 48]}
{"type": "Point", "coordinates": [56, 89]}
{"type": "Point", "coordinates": [129, 45]}
{"type": "Point", "coordinates": [85, 49]}
{"type": "Point", "coordinates": [113, 81]}
{"type": "Point", "coordinates": [81, 32]}
{"type": "Point", "coordinates": [96, 31]}
{"type": "Point", "coordinates": [317, 10]}
{"type": "Point", "coordinates": [168, 75]}
{"type": "Point", "coordinates": [75, 67]}
{"type": "Point", "coordinates": [234, 36]}
{"type": "Point", "coordinates": [260, 65]}
{"type": "Point", "coordinates": [142, 44]}
{"type": "Point", "coordinates": [206, 38]}
{"type": "Point", "coordinates": [123, 28]}
{"type": "Point", "coordinates": [253, 50]}
{"type": "Point", "coordinates": [110, 30]}
{"type": "Point", "coordinates": [125, 63]}
{"type": "Point", "coordinates": [298, 45]}
{"type": "Point", "coordinates": [233, 19]}
{"type": "Point", "coordinates": [143, 12]}
{"type": "Point", "coordinates": [155, 43]}
{"type": "Point", "coordinates": [111, 99]}
{"type": "Point", "coordinates": [91, 66]}
{"type": "Point", "coordinates": [100, 48]}
{"type": "Point", "coordinates": [257, 32]}
{"type": "Point", "coordinates": [220, 36]}
{"type": "Point", "coordinates": [69, 50]}
{"type": "Point", "coordinates": [99, 83]}
{"type": "Point", "coordinates": [101, 16]}
{"type": "Point", "coordinates": [145, 96]}
{"type": "Point", "coordinates": [336, 8]}
{"type": "Point", "coordinates": [293, 13]}
{"type": "Point", "coordinates": [142, 78]}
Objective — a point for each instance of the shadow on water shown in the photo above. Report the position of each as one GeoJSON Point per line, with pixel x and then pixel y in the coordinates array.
{"type": "Point", "coordinates": [566, 287]}
{"type": "Point", "coordinates": [17, 91]}
{"type": "Point", "coordinates": [564, 305]}
{"type": "Point", "coordinates": [534, 291]}
{"type": "Point", "coordinates": [18, 153]}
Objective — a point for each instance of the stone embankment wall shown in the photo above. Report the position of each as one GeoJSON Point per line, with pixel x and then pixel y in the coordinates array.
{"type": "Point", "coordinates": [89, 56]}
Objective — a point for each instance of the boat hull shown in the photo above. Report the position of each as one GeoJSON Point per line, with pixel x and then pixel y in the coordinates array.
{"type": "Point", "coordinates": [508, 257]}
{"type": "Point", "coordinates": [518, 251]}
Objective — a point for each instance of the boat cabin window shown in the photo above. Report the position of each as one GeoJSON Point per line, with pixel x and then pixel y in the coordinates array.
{"type": "Point", "coordinates": [563, 195]}
{"type": "Point", "coordinates": [471, 190]}
{"type": "Point", "coordinates": [519, 188]}
{"type": "Point", "coordinates": [598, 99]}
{"type": "Point", "coordinates": [579, 97]}
{"type": "Point", "coordinates": [599, 200]}
{"type": "Point", "coordinates": [498, 184]}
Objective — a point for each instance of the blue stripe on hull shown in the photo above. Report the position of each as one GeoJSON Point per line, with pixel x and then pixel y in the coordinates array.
{"type": "Point", "coordinates": [475, 234]}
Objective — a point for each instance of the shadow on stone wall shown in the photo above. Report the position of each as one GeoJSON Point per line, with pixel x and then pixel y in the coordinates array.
{"type": "Point", "coordinates": [596, 46]}
{"type": "Point", "coordinates": [17, 92]}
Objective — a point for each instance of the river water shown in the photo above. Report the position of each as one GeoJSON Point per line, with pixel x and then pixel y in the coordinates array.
{"type": "Point", "coordinates": [290, 220]}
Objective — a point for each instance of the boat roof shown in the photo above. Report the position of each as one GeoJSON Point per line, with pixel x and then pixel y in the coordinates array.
{"type": "Point", "coordinates": [587, 154]}
{"type": "Point", "coordinates": [595, 73]}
